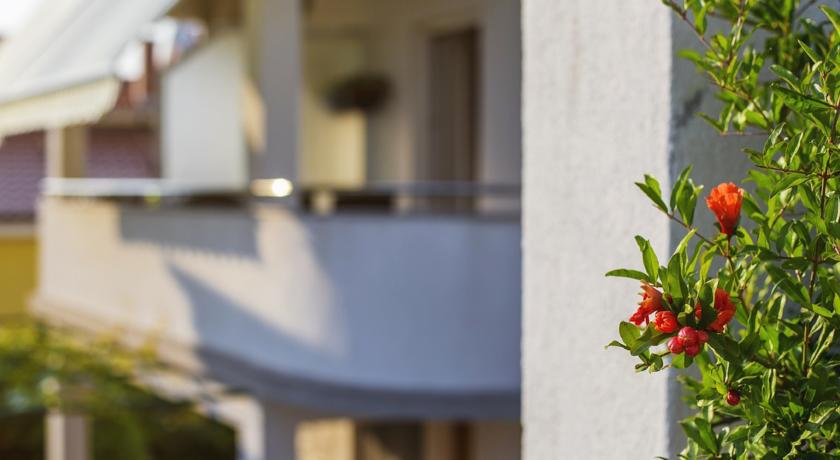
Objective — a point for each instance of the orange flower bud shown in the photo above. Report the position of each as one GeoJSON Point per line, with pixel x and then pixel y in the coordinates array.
{"type": "Point", "coordinates": [725, 310]}
{"type": "Point", "coordinates": [666, 322]}
{"type": "Point", "coordinates": [651, 302]}
{"type": "Point", "coordinates": [725, 202]}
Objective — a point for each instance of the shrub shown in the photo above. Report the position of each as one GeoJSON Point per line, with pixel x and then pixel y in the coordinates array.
{"type": "Point", "coordinates": [756, 307]}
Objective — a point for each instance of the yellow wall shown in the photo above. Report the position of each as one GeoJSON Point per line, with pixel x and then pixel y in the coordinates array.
{"type": "Point", "coordinates": [18, 263]}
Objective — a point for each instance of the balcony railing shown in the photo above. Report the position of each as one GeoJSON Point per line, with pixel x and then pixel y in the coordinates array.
{"type": "Point", "coordinates": [321, 198]}
{"type": "Point", "coordinates": [369, 313]}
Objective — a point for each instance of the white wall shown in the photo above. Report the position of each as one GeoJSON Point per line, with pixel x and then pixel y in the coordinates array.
{"type": "Point", "coordinates": [597, 110]}
{"type": "Point", "coordinates": [376, 302]}
{"type": "Point", "coordinates": [333, 144]}
{"type": "Point", "coordinates": [202, 136]}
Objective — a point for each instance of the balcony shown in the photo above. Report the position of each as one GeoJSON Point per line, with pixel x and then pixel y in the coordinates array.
{"type": "Point", "coordinates": [363, 313]}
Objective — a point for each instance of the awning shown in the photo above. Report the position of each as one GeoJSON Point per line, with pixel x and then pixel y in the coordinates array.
{"type": "Point", "coordinates": [60, 68]}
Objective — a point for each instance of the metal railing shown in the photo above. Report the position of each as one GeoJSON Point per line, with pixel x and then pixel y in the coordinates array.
{"type": "Point", "coordinates": [403, 197]}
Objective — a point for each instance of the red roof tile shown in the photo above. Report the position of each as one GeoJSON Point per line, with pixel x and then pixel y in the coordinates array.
{"type": "Point", "coordinates": [114, 152]}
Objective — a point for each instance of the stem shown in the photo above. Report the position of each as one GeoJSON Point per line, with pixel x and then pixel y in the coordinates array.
{"type": "Point", "coordinates": [806, 337]}
{"type": "Point", "coordinates": [687, 227]}
{"type": "Point", "coordinates": [785, 170]}
{"type": "Point", "coordinates": [741, 288]}
{"type": "Point", "coordinates": [683, 14]}
{"type": "Point", "coordinates": [743, 133]}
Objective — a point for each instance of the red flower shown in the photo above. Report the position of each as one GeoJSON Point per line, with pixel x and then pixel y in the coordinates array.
{"type": "Point", "coordinates": [651, 302]}
{"type": "Point", "coordinates": [725, 310]}
{"type": "Point", "coordinates": [666, 322]}
{"type": "Point", "coordinates": [725, 202]}
{"type": "Point", "coordinates": [640, 317]}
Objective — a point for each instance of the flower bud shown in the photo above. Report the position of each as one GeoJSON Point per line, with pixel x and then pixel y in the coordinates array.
{"type": "Point", "coordinates": [733, 397]}
{"type": "Point", "coordinates": [702, 337]}
{"type": "Point", "coordinates": [666, 322]}
{"type": "Point", "coordinates": [675, 345]}
{"type": "Point", "coordinates": [725, 203]}
{"type": "Point", "coordinates": [688, 335]}
{"type": "Point", "coordinates": [693, 349]}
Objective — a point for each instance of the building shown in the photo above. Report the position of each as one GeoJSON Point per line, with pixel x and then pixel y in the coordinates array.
{"type": "Point", "coordinates": [120, 146]}
{"type": "Point", "coordinates": [606, 100]}
{"type": "Point", "coordinates": [329, 256]}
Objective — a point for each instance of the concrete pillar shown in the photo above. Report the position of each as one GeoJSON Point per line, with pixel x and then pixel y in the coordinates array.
{"type": "Point", "coordinates": [264, 430]}
{"type": "Point", "coordinates": [67, 437]}
{"type": "Point", "coordinates": [501, 97]}
{"type": "Point", "coordinates": [66, 151]}
{"type": "Point", "coordinates": [597, 115]}
{"type": "Point", "coordinates": [496, 440]}
{"type": "Point", "coordinates": [275, 65]}
{"type": "Point", "coordinates": [440, 441]}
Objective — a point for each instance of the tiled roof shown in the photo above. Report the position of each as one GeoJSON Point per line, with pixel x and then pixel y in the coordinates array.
{"type": "Point", "coordinates": [114, 152]}
{"type": "Point", "coordinates": [21, 168]}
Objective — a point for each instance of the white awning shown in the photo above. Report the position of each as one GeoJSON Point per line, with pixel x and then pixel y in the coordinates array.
{"type": "Point", "coordinates": [59, 69]}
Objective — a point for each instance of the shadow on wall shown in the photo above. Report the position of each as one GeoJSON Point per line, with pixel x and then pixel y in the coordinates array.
{"type": "Point", "coordinates": [166, 229]}
{"type": "Point", "coordinates": [361, 302]}
{"type": "Point", "coordinates": [715, 159]}
{"type": "Point", "coordinates": [216, 315]}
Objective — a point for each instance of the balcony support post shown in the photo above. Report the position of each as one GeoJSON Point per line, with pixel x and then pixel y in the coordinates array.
{"type": "Point", "coordinates": [66, 149]}
{"type": "Point", "coordinates": [274, 63]}
{"type": "Point", "coordinates": [264, 430]}
{"type": "Point", "coordinates": [67, 436]}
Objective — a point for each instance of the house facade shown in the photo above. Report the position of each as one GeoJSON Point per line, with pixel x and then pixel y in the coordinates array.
{"type": "Point", "coordinates": [328, 257]}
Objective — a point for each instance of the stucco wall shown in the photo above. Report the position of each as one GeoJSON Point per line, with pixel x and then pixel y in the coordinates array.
{"type": "Point", "coordinates": [189, 154]}
{"type": "Point", "coordinates": [372, 302]}
{"type": "Point", "coordinates": [597, 79]}
{"type": "Point", "coordinates": [17, 271]}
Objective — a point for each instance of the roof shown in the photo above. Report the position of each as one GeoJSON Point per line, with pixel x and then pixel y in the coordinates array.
{"type": "Point", "coordinates": [114, 152]}
{"type": "Point", "coordinates": [60, 68]}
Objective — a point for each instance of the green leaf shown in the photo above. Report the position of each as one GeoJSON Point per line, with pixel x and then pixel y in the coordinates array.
{"type": "Point", "coordinates": [795, 290]}
{"type": "Point", "coordinates": [649, 258]}
{"type": "Point", "coordinates": [822, 311]}
{"type": "Point", "coordinates": [811, 53]}
{"type": "Point", "coordinates": [684, 242]}
{"type": "Point", "coordinates": [626, 273]}
{"type": "Point", "coordinates": [629, 333]}
{"type": "Point", "coordinates": [700, 18]}
{"type": "Point", "coordinates": [725, 346]}
{"type": "Point", "coordinates": [687, 202]}
{"type": "Point", "coordinates": [786, 75]}
{"type": "Point", "coordinates": [800, 103]}
{"type": "Point", "coordinates": [651, 188]}
{"type": "Point", "coordinates": [832, 16]}
{"type": "Point", "coordinates": [707, 300]}
{"type": "Point", "coordinates": [700, 431]}
{"type": "Point", "coordinates": [679, 184]}
{"type": "Point", "coordinates": [676, 283]}
{"type": "Point", "coordinates": [616, 343]}
{"type": "Point", "coordinates": [681, 361]}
